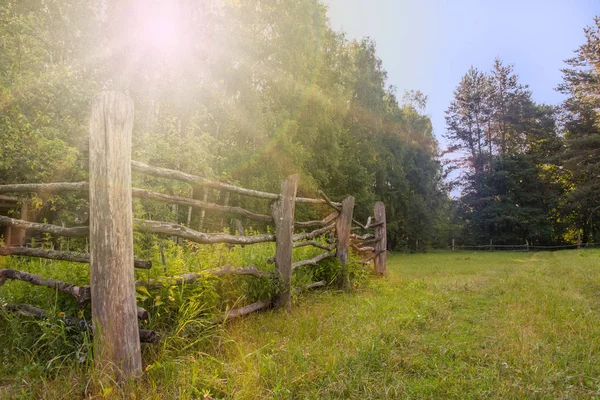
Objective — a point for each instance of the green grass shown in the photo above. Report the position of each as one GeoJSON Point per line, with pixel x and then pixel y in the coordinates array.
{"type": "Point", "coordinates": [442, 325]}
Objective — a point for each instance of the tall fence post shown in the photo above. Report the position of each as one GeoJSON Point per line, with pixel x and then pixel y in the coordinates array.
{"type": "Point", "coordinates": [283, 215]}
{"type": "Point", "coordinates": [452, 244]}
{"type": "Point", "coordinates": [527, 244]}
{"type": "Point", "coordinates": [491, 246]}
{"type": "Point", "coordinates": [114, 312]}
{"type": "Point", "coordinates": [343, 228]}
{"type": "Point", "coordinates": [381, 237]}
{"type": "Point", "coordinates": [579, 239]}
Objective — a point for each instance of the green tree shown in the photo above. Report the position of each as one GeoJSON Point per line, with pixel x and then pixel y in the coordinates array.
{"type": "Point", "coordinates": [581, 156]}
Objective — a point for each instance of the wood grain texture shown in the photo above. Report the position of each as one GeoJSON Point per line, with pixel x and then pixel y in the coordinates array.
{"type": "Point", "coordinates": [381, 236]}
{"type": "Point", "coordinates": [283, 215]}
{"type": "Point", "coordinates": [343, 228]}
{"type": "Point", "coordinates": [114, 310]}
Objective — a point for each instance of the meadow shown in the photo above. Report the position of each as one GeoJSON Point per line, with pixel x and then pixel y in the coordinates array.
{"type": "Point", "coordinates": [461, 325]}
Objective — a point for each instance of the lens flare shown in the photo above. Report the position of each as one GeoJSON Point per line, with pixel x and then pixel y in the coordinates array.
{"type": "Point", "coordinates": [158, 27]}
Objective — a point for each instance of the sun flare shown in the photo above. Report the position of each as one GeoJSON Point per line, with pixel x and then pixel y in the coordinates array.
{"type": "Point", "coordinates": [158, 27]}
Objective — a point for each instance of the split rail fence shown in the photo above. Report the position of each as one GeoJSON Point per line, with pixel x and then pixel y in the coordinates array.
{"type": "Point", "coordinates": [115, 313]}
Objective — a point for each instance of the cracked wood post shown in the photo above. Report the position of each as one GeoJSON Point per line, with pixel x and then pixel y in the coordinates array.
{"type": "Point", "coordinates": [114, 311]}
{"type": "Point", "coordinates": [343, 228]}
{"type": "Point", "coordinates": [283, 215]}
{"type": "Point", "coordinates": [381, 236]}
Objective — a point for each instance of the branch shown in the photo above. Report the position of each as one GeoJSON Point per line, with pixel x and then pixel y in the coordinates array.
{"type": "Point", "coordinates": [81, 293]}
{"type": "Point", "coordinates": [184, 232]}
{"type": "Point", "coordinates": [200, 180]}
{"type": "Point", "coordinates": [191, 277]}
{"type": "Point", "coordinates": [335, 206]}
{"type": "Point", "coordinates": [229, 270]}
{"type": "Point", "coordinates": [304, 288]}
{"type": "Point", "coordinates": [315, 244]}
{"type": "Point", "coordinates": [147, 194]}
{"type": "Point", "coordinates": [146, 336]}
{"type": "Point", "coordinates": [368, 260]}
{"type": "Point", "coordinates": [312, 261]}
{"type": "Point", "coordinates": [182, 176]}
{"type": "Point", "coordinates": [9, 198]}
{"type": "Point", "coordinates": [324, 222]}
{"type": "Point", "coordinates": [61, 255]}
{"type": "Point", "coordinates": [363, 237]}
{"type": "Point", "coordinates": [311, 235]}
{"type": "Point", "coordinates": [45, 187]}
{"type": "Point", "coordinates": [238, 312]}
{"type": "Point", "coordinates": [48, 228]}
{"type": "Point", "coordinates": [361, 226]}
{"type": "Point", "coordinates": [362, 249]}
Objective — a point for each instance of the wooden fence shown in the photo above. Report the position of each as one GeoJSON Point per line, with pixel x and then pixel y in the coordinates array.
{"type": "Point", "coordinates": [112, 286]}
{"type": "Point", "coordinates": [522, 247]}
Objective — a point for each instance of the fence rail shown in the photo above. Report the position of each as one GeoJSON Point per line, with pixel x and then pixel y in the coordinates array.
{"type": "Point", "coordinates": [521, 247]}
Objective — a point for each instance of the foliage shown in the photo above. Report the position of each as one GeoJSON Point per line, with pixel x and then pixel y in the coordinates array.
{"type": "Point", "coordinates": [263, 91]}
{"type": "Point", "coordinates": [513, 153]}
{"type": "Point", "coordinates": [581, 154]}
{"type": "Point", "coordinates": [507, 145]}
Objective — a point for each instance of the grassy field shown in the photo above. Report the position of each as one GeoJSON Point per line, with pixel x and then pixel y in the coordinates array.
{"type": "Point", "coordinates": [442, 325]}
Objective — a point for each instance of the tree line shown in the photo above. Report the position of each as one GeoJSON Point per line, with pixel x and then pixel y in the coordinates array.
{"type": "Point", "coordinates": [254, 92]}
{"type": "Point", "coordinates": [529, 171]}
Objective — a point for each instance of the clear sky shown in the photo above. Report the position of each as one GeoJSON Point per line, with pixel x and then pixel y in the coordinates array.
{"type": "Point", "coordinates": [428, 45]}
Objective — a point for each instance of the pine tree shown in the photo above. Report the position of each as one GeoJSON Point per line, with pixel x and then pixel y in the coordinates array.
{"type": "Point", "coordinates": [581, 157]}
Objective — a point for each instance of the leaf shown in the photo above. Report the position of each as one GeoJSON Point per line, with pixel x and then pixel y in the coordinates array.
{"type": "Point", "coordinates": [143, 290]}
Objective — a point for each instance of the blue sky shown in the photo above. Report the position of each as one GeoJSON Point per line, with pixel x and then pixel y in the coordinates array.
{"type": "Point", "coordinates": [428, 45]}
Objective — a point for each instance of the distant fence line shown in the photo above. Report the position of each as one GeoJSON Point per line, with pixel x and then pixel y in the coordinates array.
{"type": "Point", "coordinates": [112, 286]}
{"type": "Point", "coordinates": [521, 247]}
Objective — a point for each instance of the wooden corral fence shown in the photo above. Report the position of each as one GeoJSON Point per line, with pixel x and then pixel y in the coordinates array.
{"type": "Point", "coordinates": [112, 286]}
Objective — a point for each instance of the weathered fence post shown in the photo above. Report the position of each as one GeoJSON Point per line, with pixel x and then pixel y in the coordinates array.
{"type": "Point", "coordinates": [114, 312]}
{"type": "Point", "coordinates": [343, 228]}
{"type": "Point", "coordinates": [381, 237]}
{"type": "Point", "coordinates": [283, 215]}
{"type": "Point", "coordinates": [579, 240]}
{"type": "Point", "coordinates": [491, 247]}
{"type": "Point", "coordinates": [452, 244]}
{"type": "Point", "coordinates": [527, 244]}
